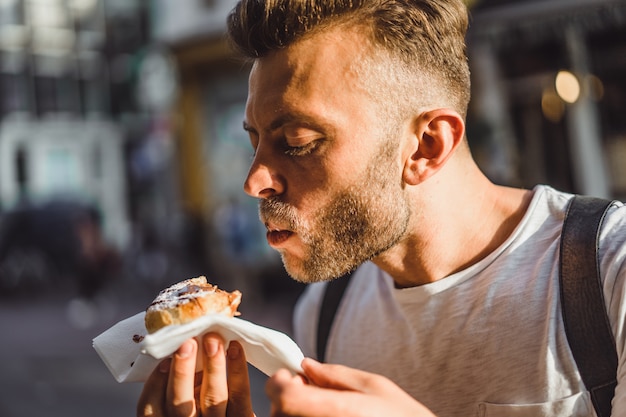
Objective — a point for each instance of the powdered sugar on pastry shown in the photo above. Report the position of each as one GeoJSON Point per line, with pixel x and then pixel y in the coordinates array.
{"type": "Point", "coordinates": [187, 300]}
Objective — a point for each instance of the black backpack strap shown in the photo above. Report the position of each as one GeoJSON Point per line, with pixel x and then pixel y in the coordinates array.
{"type": "Point", "coordinates": [333, 293]}
{"type": "Point", "coordinates": [582, 301]}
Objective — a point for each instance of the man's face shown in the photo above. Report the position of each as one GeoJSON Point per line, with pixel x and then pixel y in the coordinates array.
{"type": "Point", "coordinates": [326, 167]}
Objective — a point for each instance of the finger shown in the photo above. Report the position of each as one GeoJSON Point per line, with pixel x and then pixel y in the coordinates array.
{"type": "Point", "coordinates": [375, 395]}
{"type": "Point", "coordinates": [180, 392]}
{"type": "Point", "coordinates": [291, 396]}
{"type": "Point", "coordinates": [341, 377]}
{"type": "Point", "coordinates": [239, 402]}
{"type": "Point", "coordinates": [152, 399]}
{"type": "Point", "coordinates": [214, 389]}
{"type": "Point", "coordinates": [281, 379]}
{"type": "Point", "coordinates": [277, 390]}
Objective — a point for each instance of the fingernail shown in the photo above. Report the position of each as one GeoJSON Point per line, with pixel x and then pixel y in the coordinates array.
{"type": "Point", "coordinates": [184, 351]}
{"type": "Point", "coordinates": [211, 345]}
{"type": "Point", "coordinates": [233, 351]}
{"type": "Point", "coordinates": [164, 366]}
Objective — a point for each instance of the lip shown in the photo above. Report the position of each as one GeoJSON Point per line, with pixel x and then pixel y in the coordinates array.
{"type": "Point", "coordinates": [277, 238]}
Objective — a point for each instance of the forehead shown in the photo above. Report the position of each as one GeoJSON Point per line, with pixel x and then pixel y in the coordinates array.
{"type": "Point", "coordinates": [322, 70]}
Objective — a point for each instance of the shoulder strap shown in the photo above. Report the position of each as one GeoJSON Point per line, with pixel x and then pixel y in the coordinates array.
{"type": "Point", "coordinates": [582, 301]}
{"type": "Point", "coordinates": [333, 292]}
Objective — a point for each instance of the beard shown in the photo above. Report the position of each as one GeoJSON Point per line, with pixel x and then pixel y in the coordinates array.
{"type": "Point", "coordinates": [358, 223]}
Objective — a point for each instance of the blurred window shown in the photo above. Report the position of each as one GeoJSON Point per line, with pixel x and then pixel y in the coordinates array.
{"type": "Point", "coordinates": [14, 94]}
{"type": "Point", "coordinates": [11, 12]}
{"type": "Point", "coordinates": [21, 169]}
{"type": "Point", "coordinates": [56, 95]}
{"type": "Point", "coordinates": [92, 83]}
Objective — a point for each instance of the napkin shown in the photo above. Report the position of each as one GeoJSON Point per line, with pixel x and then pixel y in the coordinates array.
{"type": "Point", "coordinates": [131, 354]}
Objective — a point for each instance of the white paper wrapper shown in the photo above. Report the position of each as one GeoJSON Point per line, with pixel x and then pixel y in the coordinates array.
{"type": "Point", "coordinates": [129, 361]}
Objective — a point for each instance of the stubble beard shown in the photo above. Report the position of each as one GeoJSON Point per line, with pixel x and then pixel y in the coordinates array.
{"type": "Point", "coordinates": [357, 224]}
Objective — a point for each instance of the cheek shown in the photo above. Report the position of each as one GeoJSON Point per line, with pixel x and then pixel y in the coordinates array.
{"type": "Point", "coordinates": [308, 193]}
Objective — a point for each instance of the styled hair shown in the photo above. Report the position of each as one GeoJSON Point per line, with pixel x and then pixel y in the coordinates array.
{"type": "Point", "coordinates": [426, 37]}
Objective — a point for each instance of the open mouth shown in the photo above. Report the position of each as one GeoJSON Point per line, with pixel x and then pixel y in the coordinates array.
{"type": "Point", "coordinates": [277, 237]}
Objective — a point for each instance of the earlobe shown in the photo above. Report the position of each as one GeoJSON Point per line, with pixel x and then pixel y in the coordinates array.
{"type": "Point", "coordinates": [436, 136]}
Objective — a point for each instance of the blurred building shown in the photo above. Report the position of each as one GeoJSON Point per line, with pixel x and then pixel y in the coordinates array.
{"type": "Point", "coordinates": [78, 131]}
{"type": "Point", "coordinates": [549, 93]}
{"type": "Point", "coordinates": [66, 97]}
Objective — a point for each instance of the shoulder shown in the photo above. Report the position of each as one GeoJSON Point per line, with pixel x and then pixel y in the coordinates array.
{"type": "Point", "coordinates": [612, 238]}
{"type": "Point", "coordinates": [309, 302]}
{"type": "Point", "coordinates": [551, 200]}
{"type": "Point", "coordinates": [307, 309]}
{"type": "Point", "coordinates": [305, 317]}
{"type": "Point", "coordinates": [612, 250]}
{"type": "Point", "coordinates": [615, 218]}
{"type": "Point", "coordinates": [547, 207]}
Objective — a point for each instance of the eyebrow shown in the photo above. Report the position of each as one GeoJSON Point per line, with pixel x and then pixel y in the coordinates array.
{"type": "Point", "coordinates": [288, 118]}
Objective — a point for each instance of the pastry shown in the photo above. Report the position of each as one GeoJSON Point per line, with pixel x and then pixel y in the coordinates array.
{"type": "Point", "coordinates": [187, 300]}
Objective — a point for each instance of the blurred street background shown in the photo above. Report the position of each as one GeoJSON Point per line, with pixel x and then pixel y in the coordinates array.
{"type": "Point", "coordinates": [122, 159]}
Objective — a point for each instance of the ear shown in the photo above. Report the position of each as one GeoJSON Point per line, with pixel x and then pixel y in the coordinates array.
{"type": "Point", "coordinates": [435, 137]}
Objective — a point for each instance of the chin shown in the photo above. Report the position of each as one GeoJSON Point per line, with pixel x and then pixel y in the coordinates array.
{"type": "Point", "coordinates": [293, 267]}
{"type": "Point", "coordinates": [302, 273]}
{"type": "Point", "coordinates": [298, 272]}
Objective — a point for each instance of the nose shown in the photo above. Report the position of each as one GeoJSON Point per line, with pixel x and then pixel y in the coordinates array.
{"type": "Point", "coordinates": [263, 181]}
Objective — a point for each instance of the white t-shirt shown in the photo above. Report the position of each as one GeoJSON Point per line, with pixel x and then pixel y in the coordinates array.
{"type": "Point", "coordinates": [486, 341]}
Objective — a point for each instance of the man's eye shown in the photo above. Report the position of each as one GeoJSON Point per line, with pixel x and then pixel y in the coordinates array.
{"type": "Point", "coordinates": [301, 150]}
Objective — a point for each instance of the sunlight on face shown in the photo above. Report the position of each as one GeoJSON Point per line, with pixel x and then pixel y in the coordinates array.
{"type": "Point", "coordinates": [356, 224]}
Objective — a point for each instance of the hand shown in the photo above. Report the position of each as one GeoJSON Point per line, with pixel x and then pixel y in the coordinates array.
{"type": "Point", "coordinates": [336, 390]}
{"type": "Point", "coordinates": [221, 389]}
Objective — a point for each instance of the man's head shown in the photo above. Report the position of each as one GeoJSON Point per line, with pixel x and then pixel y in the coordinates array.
{"type": "Point", "coordinates": [344, 128]}
{"type": "Point", "coordinates": [420, 44]}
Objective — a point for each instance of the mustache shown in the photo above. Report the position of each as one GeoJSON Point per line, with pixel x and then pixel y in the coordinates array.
{"type": "Point", "coordinates": [273, 210]}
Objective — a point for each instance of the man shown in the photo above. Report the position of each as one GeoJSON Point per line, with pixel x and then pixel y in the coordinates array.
{"type": "Point", "coordinates": [356, 113]}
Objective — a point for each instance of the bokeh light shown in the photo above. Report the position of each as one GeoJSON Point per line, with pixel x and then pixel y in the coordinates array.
{"type": "Point", "coordinates": [567, 86]}
{"type": "Point", "coordinates": [552, 106]}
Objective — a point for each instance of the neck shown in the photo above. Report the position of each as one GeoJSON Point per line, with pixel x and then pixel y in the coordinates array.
{"type": "Point", "coordinates": [454, 225]}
